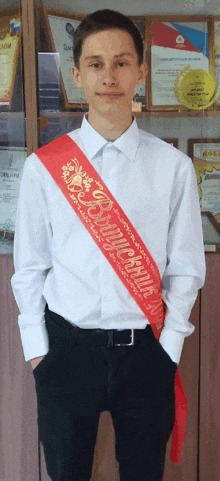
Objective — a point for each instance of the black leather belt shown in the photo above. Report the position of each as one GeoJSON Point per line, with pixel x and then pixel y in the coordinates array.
{"type": "Point", "coordinates": [121, 338]}
{"type": "Point", "coordinates": [59, 327]}
{"type": "Point", "coordinates": [111, 337]}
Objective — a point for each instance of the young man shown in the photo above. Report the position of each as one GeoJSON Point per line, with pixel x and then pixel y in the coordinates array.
{"type": "Point", "coordinates": [77, 316]}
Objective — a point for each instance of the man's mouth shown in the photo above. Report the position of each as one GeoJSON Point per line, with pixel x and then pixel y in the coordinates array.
{"type": "Point", "coordinates": [111, 95]}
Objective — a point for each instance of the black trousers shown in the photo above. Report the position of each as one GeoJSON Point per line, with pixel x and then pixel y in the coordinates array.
{"type": "Point", "coordinates": [76, 382]}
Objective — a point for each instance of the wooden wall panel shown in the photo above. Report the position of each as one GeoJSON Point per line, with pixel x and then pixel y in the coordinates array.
{"type": "Point", "coordinates": [30, 74]}
{"type": "Point", "coordinates": [209, 432]}
{"type": "Point", "coordinates": [18, 420]}
{"type": "Point", "coordinates": [43, 471]}
{"type": "Point", "coordinates": [189, 368]}
{"type": "Point", "coordinates": [105, 466]}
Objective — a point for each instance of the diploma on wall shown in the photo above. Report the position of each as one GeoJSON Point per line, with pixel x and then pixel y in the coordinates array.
{"type": "Point", "coordinates": [61, 27]}
{"type": "Point", "coordinates": [10, 27]}
{"type": "Point", "coordinates": [179, 63]}
{"type": "Point", "coordinates": [11, 165]}
{"type": "Point", "coordinates": [206, 159]}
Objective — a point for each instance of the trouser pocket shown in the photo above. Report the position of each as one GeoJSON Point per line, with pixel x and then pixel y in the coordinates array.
{"type": "Point", "coordinates": [165, 355]}
{"type": "Point", "coordinates": [46, 361]}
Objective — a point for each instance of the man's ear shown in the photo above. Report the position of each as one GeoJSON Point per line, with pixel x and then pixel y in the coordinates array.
{"type": "Point", "coordinates": [76, 76]}
{"type": "Point", "coordinates": [142, 73]}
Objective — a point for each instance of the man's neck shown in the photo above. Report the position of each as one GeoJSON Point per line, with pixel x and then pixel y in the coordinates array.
{"type": "Point", "coordinates": [110, 129]}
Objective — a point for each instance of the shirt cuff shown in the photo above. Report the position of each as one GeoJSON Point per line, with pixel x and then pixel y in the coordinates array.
{"type": "Point", "coordinates": [34, 336]}
{"type": "Point", "coordinates": [172, 342]}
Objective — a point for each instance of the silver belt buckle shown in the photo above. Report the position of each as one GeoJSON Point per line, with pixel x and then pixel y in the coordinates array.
{"type": "Point", "coordinates": [132, 340]}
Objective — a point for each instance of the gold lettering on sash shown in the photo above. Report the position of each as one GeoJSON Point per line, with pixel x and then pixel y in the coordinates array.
{"type": "Point", "coordinates": [145, 283]}
{"type": "Point", "coordinates": [155, 307]}
{"type": "Point", "coordinates": [112, 237]}
{"type": "Point", "coordinates": [103, 203]}
{"type": "Point", "coordinates": [148, 291]}
{"type": "Point", "coordinates": [104, 221]}
{"type": "Point", "coordinates": [116, 245]}
{"type": "Point", "coordinates": [107, 227]}
{"type": "Point", "coordinates": [137, 270]}
{"type": "Point", "coordinates": [141, 279]}
{"type": "Point", "coordinates": [132, 262]}
{"type": "Point", "coordinates": [122, 251]}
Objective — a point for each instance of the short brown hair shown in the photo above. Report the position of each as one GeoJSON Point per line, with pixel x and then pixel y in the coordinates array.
{"type": "Point", "coordinates": [106, 20]}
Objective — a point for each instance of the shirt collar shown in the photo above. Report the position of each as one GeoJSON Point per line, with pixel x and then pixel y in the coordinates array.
{"type": "Point", "coordinates": [127, 143]}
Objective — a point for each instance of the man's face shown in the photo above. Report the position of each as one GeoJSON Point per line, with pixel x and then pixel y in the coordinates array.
{"type": "Point", "coordinates": [108, 72]}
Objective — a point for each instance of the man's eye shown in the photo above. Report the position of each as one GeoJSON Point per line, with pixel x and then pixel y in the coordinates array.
{"type": "Point", "coordinates": [95, 64]}
{"type": "Point", "coordinates": [122, 64]}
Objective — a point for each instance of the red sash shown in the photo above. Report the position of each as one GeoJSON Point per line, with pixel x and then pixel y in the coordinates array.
{"type": "Point", "coordinates": [119, 242]}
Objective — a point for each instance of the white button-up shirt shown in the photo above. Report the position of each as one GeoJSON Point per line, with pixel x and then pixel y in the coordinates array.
{"type": "Point", "coordinates": [56, 260]}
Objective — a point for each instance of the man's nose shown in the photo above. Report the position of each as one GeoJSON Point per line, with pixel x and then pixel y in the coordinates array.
{"type": "Point", "coordinates": [109, 76]}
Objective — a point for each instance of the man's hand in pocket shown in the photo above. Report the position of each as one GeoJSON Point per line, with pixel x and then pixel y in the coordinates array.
{"type": "Point", "coordinates": [36, 361]}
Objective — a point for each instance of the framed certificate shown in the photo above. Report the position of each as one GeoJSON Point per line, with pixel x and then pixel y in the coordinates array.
{"type": "Point", "coordinates": [60, 27]}
{"type": "Point", "coordinates": [179, 57]}
{"type": "Point", "coordinates": [216, 41]}
{"type": "Point", "coordinates": [12, 160]}
{"type": "Point", "coordinates": [10, 33]}
{"type": "Point", "coordinates": [205, 154]}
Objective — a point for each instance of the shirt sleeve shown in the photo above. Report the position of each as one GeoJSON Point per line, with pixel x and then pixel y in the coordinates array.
{"type": "Point", "coordinates": [185, 270]}
{"type": "Point", "coordinates": [32, 259]}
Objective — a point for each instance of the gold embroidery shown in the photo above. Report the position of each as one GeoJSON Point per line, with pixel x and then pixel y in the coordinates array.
{"type": "Point", "coordinates": [79, 177]}
{"type": "Point", "coordinates": [100, 204]}
{"type": "Point", "coordinates": [159, 327]}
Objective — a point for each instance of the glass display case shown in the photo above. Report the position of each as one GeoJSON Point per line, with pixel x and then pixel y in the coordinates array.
{"type": "Point", "coordinates": [179, 103]}
{"type": "Point", "coordinates": [13, 150]}
{"type": "Point", "coordinates": [180, 98]}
